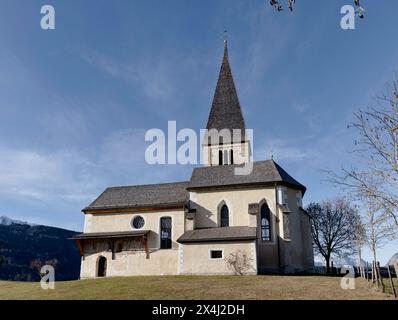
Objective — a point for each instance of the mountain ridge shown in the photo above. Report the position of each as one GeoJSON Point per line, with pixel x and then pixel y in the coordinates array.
{"type": "Point", "coordinates": [6, 221]}
{"type": "Point", "coordinates": [25, 247]}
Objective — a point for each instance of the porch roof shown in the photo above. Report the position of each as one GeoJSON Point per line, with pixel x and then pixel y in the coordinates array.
{"type": "Point", "coordinates": [110, 235]}
{"type": "Point", "coordinates": [219, 234]}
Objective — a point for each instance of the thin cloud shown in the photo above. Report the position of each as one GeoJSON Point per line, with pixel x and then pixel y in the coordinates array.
{"type": "Point", "coordinates": [76, 175]}
{"type": "Point", "coordinates": [151, 77]}
{"type": "Point", "coordinates": [282, 150]}
{"type": "Point", "coordinates": [45, 176]}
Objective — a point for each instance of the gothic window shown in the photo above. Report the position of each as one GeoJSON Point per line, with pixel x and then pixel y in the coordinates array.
{"type": "Point", "coordinates": [299, 199]}
{"type": "Point", "coordinates": [220, 157]}
{"type": "Point", "coordinates": [232, 156]}
{"type": "Point", "coordinates": [224, 216]}
{"type": "Point", "coordinates": [225, 157]}
{"type": "Point", "coordinates": [165, 233]}
{"type": "Point", "coordinates": [265, 223]}
{"type": "Point", "coordinates": [281, 194]}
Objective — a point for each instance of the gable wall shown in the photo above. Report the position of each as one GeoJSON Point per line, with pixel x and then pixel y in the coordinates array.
{"type": "Point", "coordinates": [291, 254]}
{"type": "Point", "coordinates": [208, 204]}
{"type": "Point", "coordinates": [238, 201]}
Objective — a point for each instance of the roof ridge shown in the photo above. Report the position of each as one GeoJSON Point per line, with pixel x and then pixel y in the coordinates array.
{"type": "Point", "coordinates": [276, 168]}
{"type": "Point", "coordinates": [282, 172]}
{"type": "Point", "coordinates": [149, 184]}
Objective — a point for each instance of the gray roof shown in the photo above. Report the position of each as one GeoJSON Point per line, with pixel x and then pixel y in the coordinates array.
{"type": "Point", "coordinates": [109, 235]}
{"type": "Point", "coordinates": [225, 111]}
{"type": "Point", "coordinates": [141, 196]}
{"type": "Point", "coordinates": [218, 234]}
{"type": "Point", "coordinates": [264, 173]}
{"type": "Point", "coordinates": [175, 194]}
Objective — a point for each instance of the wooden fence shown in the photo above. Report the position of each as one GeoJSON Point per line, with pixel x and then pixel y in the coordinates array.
{"type": "Point", "coordinates": [386, 278]}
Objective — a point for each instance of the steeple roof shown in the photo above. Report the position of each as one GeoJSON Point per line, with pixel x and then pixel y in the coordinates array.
{"type": "Point", "coordinates": [225, 111]}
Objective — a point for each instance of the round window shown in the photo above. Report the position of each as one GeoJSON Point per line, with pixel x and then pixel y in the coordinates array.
{"type": "Point", "coordinates": [138, 222]}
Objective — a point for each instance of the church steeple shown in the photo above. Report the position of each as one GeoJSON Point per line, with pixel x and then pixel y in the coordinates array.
{"type": "Point", "coordinates": [225, 116]}
{"type": "Point", "coordinates": [225, 111]}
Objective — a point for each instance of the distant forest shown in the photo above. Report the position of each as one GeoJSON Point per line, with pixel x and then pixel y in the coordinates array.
{"type": "Point", "coordinates": [25, 248]}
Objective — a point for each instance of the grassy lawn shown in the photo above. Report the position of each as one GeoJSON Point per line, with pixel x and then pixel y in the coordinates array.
{"type": "Point", "coordinates": [388, 287]}
{"type": "Point", "coordinates": [195, 287]}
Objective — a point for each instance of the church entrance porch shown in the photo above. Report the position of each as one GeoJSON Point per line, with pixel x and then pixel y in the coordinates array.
{"type": "Point", "coordinates": [124, 254]}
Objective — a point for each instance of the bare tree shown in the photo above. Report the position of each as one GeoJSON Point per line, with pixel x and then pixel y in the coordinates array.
{"type": "Point", "coordinates": [376, 174]}
{"type": "Point", "coordinates": [333, 228]}
{"type": "Point", "coordinates": [239, 262]}
{"type": "Point", "coordinates": [360, 239]}
{"type": "Point", "coordinates": [378, 225]}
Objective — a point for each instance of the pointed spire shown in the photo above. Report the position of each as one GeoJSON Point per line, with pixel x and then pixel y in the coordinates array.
{"type": "Point", "coordinates": [225, 111]}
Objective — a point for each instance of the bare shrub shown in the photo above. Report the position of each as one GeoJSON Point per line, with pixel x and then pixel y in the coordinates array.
{"type": "Point", "coordinates": [239, 262]}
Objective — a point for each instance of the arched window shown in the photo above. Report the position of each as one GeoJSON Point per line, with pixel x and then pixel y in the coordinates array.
{"type": "Point", "coordinates": [265, 223]}
{"type": "Point", "coordinates": [165, 233]}
{"type": "Point", "coordinates": [224, 216]}
{"type": "Point", "coordinates": [225, 157]}
{"type": "Point", "coordinates": [220, 157]}
{"type": "Point", "coordinates": [101, 271]}
{"type": "Point", "coordinates": [232, 156]}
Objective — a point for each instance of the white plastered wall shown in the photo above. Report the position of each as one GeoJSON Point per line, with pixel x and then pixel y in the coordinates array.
{"type": "Point", "coordinates": [208, 205]}
{"type": "Point", "coordinates": [196, 257]}
{"type": "Point", "coordinates": [130, 262]}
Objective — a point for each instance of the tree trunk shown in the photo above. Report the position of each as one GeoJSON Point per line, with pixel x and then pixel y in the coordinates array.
{"type": "Point", "coordinates": [379, 275]}
{"type": "Point", "coordinates": [327, 265]}
{"type": "Point", "coordinates": [361, 271]}
{"type": "Point", "coordinates": [376, 277]}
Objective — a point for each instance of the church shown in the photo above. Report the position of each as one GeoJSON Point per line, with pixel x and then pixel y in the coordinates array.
{"type": "Point", "coordinates": [199, 226]}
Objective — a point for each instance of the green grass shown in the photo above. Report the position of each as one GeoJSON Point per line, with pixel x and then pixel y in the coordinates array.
{"type": "Point", "coordinates": [195, 287]}
{"type": "Point", "coordinates": [387, 285]}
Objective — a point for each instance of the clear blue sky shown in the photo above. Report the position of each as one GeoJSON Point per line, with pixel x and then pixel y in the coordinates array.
{"type": "Point", "coordinates": [75, 102]}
